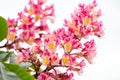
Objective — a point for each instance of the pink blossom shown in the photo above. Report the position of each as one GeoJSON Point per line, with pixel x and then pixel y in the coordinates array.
{"type": "Point", "coordinates": [46, 58]}
{"type": "Point", "coordinates": [31, 27]}
{"type": "Point", "coordinates": [24, 35]}
{"type": "Point", "coordinates": [37, 50]}
{"type": "Point", "coordinates": [65, 76]}
{"type": "Point", "coordinates": [73, 60]}
{"type": "Point", "coordinates": [76, 44]}
{"type": "Point", "coordinates": [66, 60]}
{"type": "Point", "coordinates": [50, 43]}
{"type": "Point", "coordinates": [54, 59]}
{"type": "Point", "coordinates": [23, 56]}
{"type": "Point", "coordinates": [96, 15]}
{"type": "Point", "coordinates": [26, 53]}
{"type": "Point", "coordinates": [82, 63]}
{"type": "Point", "coordinates": [61, 32]}
{"type": "Point", "coordinates": [12, 34]}
{"type": "Point", "coordinates": [12, 22]}
{"type": "Point", "coordinates": [37, 40]}
{"type": "Point", "coordinates": [42, 76]}
{"type": "Point", "coordinates": [20, 15]}
{"type": "Point", "coordinates": [89, 50]}
{"type": "Point", "coordinates": [97, 28]}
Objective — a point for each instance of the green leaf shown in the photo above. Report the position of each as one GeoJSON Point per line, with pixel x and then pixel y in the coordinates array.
{"type": "Point", "coordinates": [3, 28]}
{"type": "Point", "coordinates": [20, 72]}
{"type": "Point", "coordinates": [5, 55]}
{"type": "Point", "coordinates": [5, 75]}
{"type": "Point", "coordinates": [12, 76]}
{"type": "Point", "coordinates": [12, 58]}
{"type": "Point", "coordinates": [1, 52]}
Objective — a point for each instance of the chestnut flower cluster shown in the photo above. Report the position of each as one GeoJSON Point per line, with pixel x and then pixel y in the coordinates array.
{"type": "Point", "coordinates": [66, 48]}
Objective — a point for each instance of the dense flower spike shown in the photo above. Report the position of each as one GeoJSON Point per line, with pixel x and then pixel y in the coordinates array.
{"type": "Point", "coordinates": [64, 48]}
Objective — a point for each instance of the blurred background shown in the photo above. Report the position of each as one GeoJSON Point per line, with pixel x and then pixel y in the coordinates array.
{"type": "Point", "coordinates": [107, 61]}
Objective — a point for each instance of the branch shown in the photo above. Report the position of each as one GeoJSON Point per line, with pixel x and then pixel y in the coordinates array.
{"type": "Point", "coordinates": [9, 45]}
{"type": "Point", "coordinates": [52, 67]}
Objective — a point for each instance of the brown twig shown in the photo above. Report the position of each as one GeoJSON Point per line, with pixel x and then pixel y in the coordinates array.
{"type": "Point", "coordinates": [9, 45]}
{"type": "Point", "coordinates": [52, 67]}
{"type": "Point", "coordinates": [36, 70]}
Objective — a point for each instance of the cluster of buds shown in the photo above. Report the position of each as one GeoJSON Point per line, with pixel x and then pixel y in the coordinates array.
{"type": "Point", "coordinates": [66, 48]}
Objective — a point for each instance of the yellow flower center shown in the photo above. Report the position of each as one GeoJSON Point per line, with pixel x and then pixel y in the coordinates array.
{"type": "Point", "coordinates": [37, 17]}
{"type": "Point", "coordinates": [31, 40]}
{"type": "Point", "coordinates": [25, 20]}
{"type": "Point", "coordinates": [76, 30]}
{"type": "Point", "coordinates": [71, 24]}
{"type": "Point", "coordinates": [51, 36]}
{"type": "Point", "coordinates": [46, 60]}
{"type": "Point", "coordinates": [95, 16]}
{"type": "Point", "coordinates": [31, 10]}
{"type": "Point", "coordinates": [51, 45]}
{"type": "Point", "coordinates": [86, 21]}
{"type": "Point", "coordinates": [67, 47]}
{"type": "Point", "coordinates": [65, 60]}
{"type": "Point", "coordinates": [12, 36]}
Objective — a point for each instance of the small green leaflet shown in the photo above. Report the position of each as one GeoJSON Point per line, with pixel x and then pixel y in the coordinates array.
{"type": "Point", "coordinates": [3, 28]}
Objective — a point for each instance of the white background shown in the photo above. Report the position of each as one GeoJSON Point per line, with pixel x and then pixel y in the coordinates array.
{"type": "Point", "coordinates": [107, 63]}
